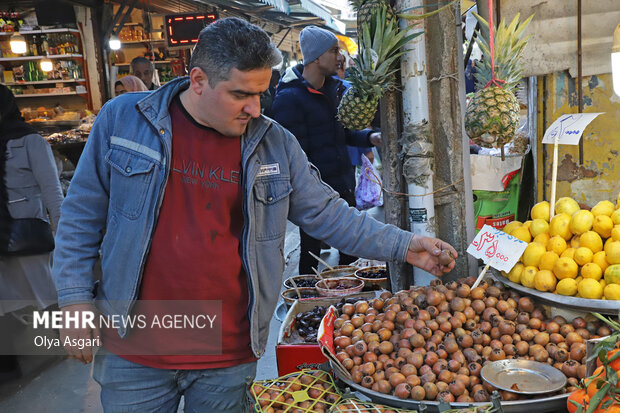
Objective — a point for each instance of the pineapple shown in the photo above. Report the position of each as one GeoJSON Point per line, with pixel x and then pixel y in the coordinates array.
{"type": "Point", "coordinates": [373, 71]}
{"type": "Point", "coordinates": [492, 115]}
{"type": "Point", "coordinates": [365, 9]}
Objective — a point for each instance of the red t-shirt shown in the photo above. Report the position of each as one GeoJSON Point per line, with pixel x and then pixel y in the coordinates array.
{"type": "Point", "coordinates": [195, 252]}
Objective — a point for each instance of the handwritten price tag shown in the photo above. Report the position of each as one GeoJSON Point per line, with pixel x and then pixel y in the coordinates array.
{"type": "Point", "coordinates": [497, 248]}
{"type": "Point", "coordinates": [569, 128]}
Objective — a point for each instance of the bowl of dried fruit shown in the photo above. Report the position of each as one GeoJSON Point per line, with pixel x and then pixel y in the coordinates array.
{"type": "Point", "coordinates": [373, 277]}
{"type": "Point", "coordinates": [305, 280]}
{"type": "Point", "coordinates": [290, 295]}
{"type": "Point", "coordinates": [339, 271]}
{"type": "Point", "coordinates": [335, 287]}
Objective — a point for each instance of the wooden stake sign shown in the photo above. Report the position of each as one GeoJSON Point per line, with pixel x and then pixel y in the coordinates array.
{"type": "Point", "coordinates": [566, 130]}
{"type": "Point", "coordinates": [496, 249]}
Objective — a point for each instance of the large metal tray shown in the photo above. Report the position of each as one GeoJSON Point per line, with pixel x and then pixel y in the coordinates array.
{"type": "Point", "coordinates": [610, 307]}
{"type": "Point", "coordinates": [555, 403]}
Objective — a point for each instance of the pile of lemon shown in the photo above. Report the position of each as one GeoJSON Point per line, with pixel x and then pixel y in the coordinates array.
{"type": "Point", "coordinates": [576, 253]}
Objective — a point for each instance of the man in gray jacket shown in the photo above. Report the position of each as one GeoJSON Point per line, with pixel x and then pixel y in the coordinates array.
{"type": "Point", "coordinates": [186, 192]}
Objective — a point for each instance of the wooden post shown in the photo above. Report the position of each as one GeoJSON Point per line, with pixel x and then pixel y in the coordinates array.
{"type": "Point", "coordinates": [392, 175]}
{"type": "Point", "coordinates": [454, 215]}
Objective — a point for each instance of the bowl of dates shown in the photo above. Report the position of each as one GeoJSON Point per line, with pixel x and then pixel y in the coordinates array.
{"type": "Point", "coordinates": [339, 271]}
{"type": "Point", "coordinates": [290, 295]}
{"type": "Point", "coordinates": [373, 276]}
{"type": "Point", "coordinates": [334, 287]}
{"type": "Point", "coordinates": [307, 280]}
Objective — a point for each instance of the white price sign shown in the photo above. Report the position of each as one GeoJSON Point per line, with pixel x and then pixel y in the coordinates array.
{"type": "Point", "coordinates": [568, 128]}
{"type": "Point", "coordinates": [496, 248]}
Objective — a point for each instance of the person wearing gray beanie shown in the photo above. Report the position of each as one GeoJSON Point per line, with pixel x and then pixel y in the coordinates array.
{"type": "Point", "coordinates": [315, 41]}
{"type": "Point", "coordinates": [306, 104]}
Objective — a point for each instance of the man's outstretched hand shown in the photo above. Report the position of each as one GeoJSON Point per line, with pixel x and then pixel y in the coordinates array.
{"type": "Point", "coordinates": [432, 255]}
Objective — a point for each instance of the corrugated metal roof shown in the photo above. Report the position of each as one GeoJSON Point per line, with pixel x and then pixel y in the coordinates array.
{"type": "Point", "coordinates": [553, 46]}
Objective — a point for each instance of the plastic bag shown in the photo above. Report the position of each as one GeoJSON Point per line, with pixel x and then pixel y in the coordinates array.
{"type": "Point", "coordinates": [368, 193]}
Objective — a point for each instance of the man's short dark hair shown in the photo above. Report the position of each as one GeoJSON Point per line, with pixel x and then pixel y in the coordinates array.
{"type": "Point", "coordinates": [140, 59]}
{"type": "Point", "coordinates": [233, 43]}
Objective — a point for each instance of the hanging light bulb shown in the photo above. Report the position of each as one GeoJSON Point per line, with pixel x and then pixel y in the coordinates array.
{"type": "Point", "coordinates": [615, 60]}
{"type": "Point", "coordinates": [114, 42]}
{"type": "Point", "coordinates": [18, 44]}
{"type": "Point", "coordinates": [46, 65]}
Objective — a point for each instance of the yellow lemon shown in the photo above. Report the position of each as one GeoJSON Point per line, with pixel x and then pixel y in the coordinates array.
{"type": "Point", "coordinates": [600, 260]}
{"type": "Point", "coordinates": [612, 274]}
{"type": "Point", "coordinates": [522, 233]}
{"type": "Point", "coordinates": [539, 226]}
{"type": "Point", "coordinates": [574, 241]}
{"type": "Point", "coordinates": [566, 206]}
{"type": "Point", "coordinates": [612, 252]}
{"type": "Point", "coordinates": [583, 256]}
{"type": "Point", "coordinates": [565, 268]}
{"type": "Point", "coordinates": [581, 221]}
{"type": "Point", "coordinates": [542, 238]}
{"type": "Point", "coordinates": [531, 255]}
{"type": "Point", "coordinates": [589, 288]}
{"type": "Point", "coordinates": [567, 286]}
{"type": "Point", "coordinates": [544, 280]}
{"type": "Point", "coordinates": [591, 240]}
{"type": "Point", "coordinates": [603, 283]}
{"type": "Point", "coordinates": [615, 217]}
{"type": "Point", "coordinates": [612, 292]}
{"type": "Point", "coordinates": [527, 224]}
{"type": "Point", "coordinates": [591, 270]}
{"type": "Point", "coordinates": [578, 279]}
{"type": "Point", "coordinates": [556, 244]}
{"type": "Point", "coordinates": [569, 252]}
{"type": "Point", "coordinates": [527, 276]}
{"type": "Point", "coordinates": [607, 242]}
{"type": "Point", "coordinates": [511, 225]}
{"type": "Point", "coordinates": [603, 208]}
{"type": "Point", "coordinates": [603, 225]}
{"type": "Point", "coordinates": [560, 226]}
{"type": "Point", "coordinates": [615, 232]}
{"type": "Point", "coordinates": [547, 260]}
{"type": "Point", "coordinates": [541, 211]}
{"type": "Point", "coordinates": [515, 274]}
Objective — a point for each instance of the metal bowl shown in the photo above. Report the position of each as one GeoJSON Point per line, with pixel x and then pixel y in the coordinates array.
{"type": "Point", "coordinates": [555, 403]}
{"type": "Point", "coordinates": [580, 304]}
{"type": "Point", "coordinates": [523, 376]}
{"type": "Point", "coordinates": [329, 287]}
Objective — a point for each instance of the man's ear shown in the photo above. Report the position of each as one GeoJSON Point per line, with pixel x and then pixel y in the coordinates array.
{"type": "Point", "coordinates": [198, 79]}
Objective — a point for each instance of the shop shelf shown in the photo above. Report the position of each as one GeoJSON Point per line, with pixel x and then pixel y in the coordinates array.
{"type": "Point", "coordinates": [27, 58]}
{"type": "Point", "coordinates": [44, 82]}
{"type": "Point", "coordinates": [22, 32]}
{"type": "Point", "coordinates": [155, 62]}
{"type": "Point", "coordinates": [38, 95]}
{"type": "Point", "coordinates": [143, 41]}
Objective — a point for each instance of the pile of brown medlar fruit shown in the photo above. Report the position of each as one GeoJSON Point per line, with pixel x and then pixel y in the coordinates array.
{"type": "Point", "coordinates": [430, 343]}
{"type": "Point", "coordinates": [318, 393]}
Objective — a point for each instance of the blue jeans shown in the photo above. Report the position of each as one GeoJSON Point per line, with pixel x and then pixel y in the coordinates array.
{"type": "Point", "coordinates": [131, 387]}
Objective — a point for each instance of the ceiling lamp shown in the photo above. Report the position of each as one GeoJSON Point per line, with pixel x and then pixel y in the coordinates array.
{"type": "Point", "coordinates": [46, 65]}
{"type": "Point", "coordinates": [114, 42]}
{"type": "Point", "coordinates": [18, 44]}
{"type": "Point", "coordinates": [615, 60]}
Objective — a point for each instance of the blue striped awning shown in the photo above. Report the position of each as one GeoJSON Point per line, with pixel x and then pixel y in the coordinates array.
{"type": "Point", "coordinates": [323, 13]}
{"type": "Point", "coordinates": [280, 5]}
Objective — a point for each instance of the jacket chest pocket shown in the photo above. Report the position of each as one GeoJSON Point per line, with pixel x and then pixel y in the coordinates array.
{"type": "Point", "coordinates": [130, 179]}
{"type": "Point", "coordinates": [271, 207]}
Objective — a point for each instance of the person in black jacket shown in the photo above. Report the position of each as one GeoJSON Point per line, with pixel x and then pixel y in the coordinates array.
{"type": "Point", "coordinates": [306, 103]}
